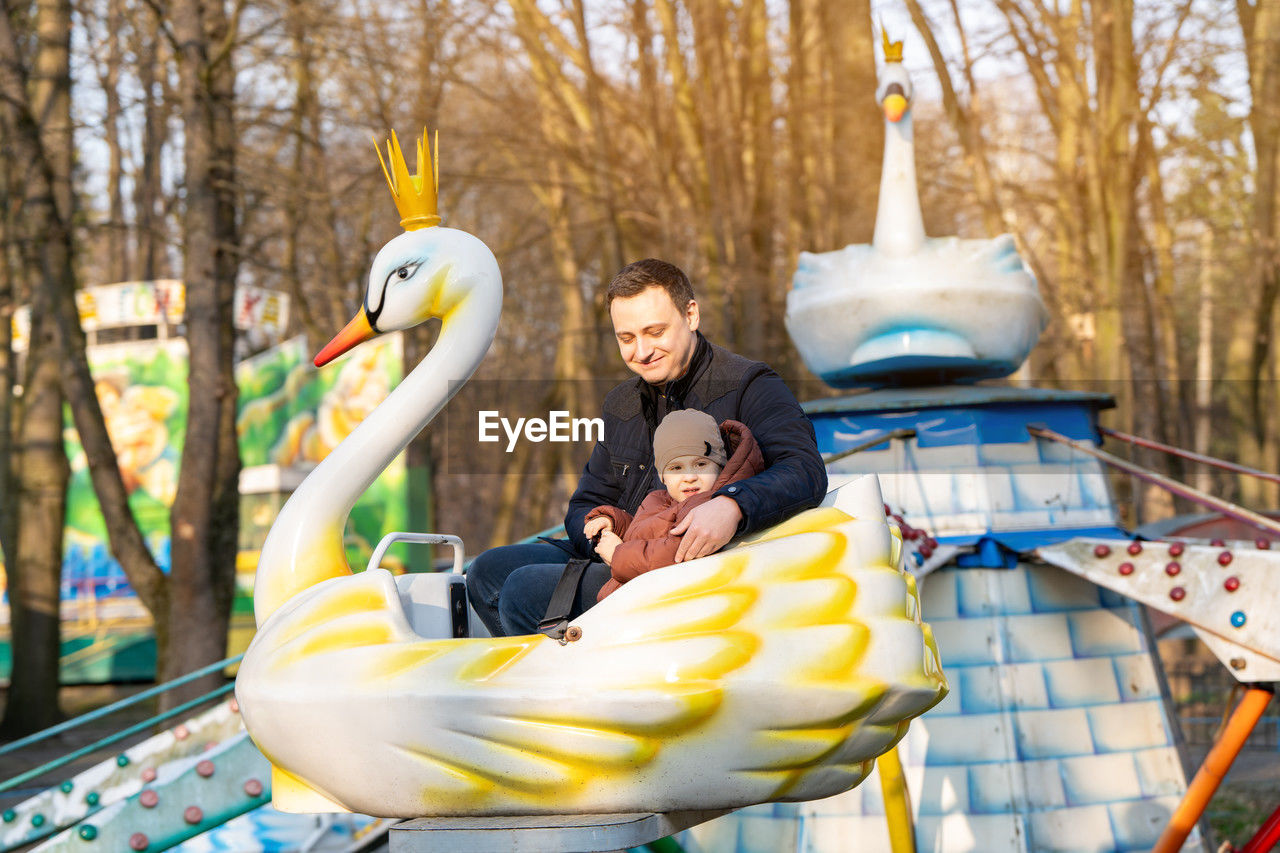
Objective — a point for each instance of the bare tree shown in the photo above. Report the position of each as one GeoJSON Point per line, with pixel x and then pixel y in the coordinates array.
{"type": "Point", "coordinates": [149, 227]}
{"type": "Point", "coordinates": [727, 136]}
{"type": "Point", "coordinates": [190, 607]}
{"type": "Point", "coordinates": [205, 516]}
{"type": "Point", "coordinates": [42, 137]}
{"type": "Point", "coordinates": [108, 50]}
{"type": "Point", "coordinates": [35, 83]}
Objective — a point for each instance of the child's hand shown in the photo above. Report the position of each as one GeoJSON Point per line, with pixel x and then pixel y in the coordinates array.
{"type": "Point", "coordinates": [596, 525]}
{"type": "Point", "coordinates": [609, 541]}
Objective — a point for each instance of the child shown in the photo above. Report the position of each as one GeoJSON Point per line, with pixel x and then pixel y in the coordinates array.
{"type": "Point", "coordinates": [694, 459]}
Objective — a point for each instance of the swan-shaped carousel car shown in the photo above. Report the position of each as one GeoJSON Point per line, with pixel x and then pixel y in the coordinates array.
{"type": "Point", "coordinates": [776, 670]}
{"type": "Point", "coordinates": [908, 305]}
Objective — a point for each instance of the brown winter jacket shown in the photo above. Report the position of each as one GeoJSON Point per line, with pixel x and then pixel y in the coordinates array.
{"type": "Point", "coordinates": [647, 540]}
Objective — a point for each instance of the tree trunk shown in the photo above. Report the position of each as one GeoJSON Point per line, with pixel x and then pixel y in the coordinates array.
{"type": "Point", "coordinates": [149, 223]}
{"type": "Point", "coordinates": [759, 315]}
{"type": "Point", "coordinates": [655, 130]}
{"type": "Point", "coordinates": [204, 518]}
{"type": "Point", "coordinates": [717, 88]}
{"type": "Point", "coordinates": [857, 123]}
{"type": "Point", "coordinates": [38, 120]}
{"type": "Point", "coordinates": [9, 404]}
{"type": "Point", "coordinates": [801, 118]}
{"type": "Point", "coordinates": [1169, 360]}
{"type": "Point", "coordinates": [41, 469]}
{"type": "Point", "coordinates": [305, 131]}
{"type": "Point", "coordinates": [119, 267]}
{"type": "Point", "coordinates": [1204, 362]}
{"type": "Point", "coordinates": [603, 164]}
{"type": "Point", "coordinates": [692, 150]}
{"type": "Point", "coordinates": [36, 571]}
{"type": "Point", "coordinates": [1260, 22]}
{"type": "Point", "coordinates": [52, 262]}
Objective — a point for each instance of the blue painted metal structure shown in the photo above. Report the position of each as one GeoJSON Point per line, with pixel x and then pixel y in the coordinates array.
{"type": "Point", "coordinates": [972, 475]}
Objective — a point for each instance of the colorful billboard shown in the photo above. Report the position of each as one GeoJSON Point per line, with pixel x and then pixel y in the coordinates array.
{"type": "Point", "coordinates": [290, 415]}
{"type": "Point", "coordinates": [160, 302]}
{"type": "Point", "coordinates": [142, 389]}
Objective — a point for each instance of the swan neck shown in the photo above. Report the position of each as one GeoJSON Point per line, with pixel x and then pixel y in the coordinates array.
{"type": "Point", "coordinates": [419, 397]}
{"type": "Point", "coordinates": [899, 222]}
{"type": "Point", "coordinates": [305, 545]}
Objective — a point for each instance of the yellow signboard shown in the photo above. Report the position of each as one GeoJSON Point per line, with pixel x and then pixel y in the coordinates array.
{"type": "Point", "coordinates": [163, 301]}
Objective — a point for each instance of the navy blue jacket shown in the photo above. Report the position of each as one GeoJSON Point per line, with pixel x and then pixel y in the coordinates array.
{"type": "Point", "coordinates": [726, 386]}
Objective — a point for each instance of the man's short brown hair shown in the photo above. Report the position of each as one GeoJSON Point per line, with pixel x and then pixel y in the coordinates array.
{"type": "Point", "coordinates": [636, 277]}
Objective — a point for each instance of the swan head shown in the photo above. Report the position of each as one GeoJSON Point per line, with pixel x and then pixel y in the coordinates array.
{"type": "Point", "coordinates": [427, 271]}
{"type": "Point", "coordinates": [417, 276]}
{"type": "Point", "coordinates": [894, 91]}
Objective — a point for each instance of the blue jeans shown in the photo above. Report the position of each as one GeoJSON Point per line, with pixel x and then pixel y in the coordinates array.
{"type": "Point", "coordinates": [510, 586]}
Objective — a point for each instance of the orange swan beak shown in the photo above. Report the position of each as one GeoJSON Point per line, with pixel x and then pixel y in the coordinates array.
{"type": "Point", "coordinates": [356, 332]}
{"type": "Point", "coordinates": [894, 107]}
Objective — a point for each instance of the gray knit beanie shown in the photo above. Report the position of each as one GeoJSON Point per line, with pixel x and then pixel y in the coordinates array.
{"type": "Point", "coordinates": [687, 432]}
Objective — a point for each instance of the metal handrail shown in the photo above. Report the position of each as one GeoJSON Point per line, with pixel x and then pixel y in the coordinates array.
{"type": "Point", "coordinates": [110, 739]}
{"type": "Point", "coordinates": [375, 561]}
{"type": "Point", "coordinates": [1190, 455]}
{"type": "Point", "coordinates": [892, 434]}
{"type": "Point", "coordinates": [1169, 484]}
{"type": "Point", "coordinates": [98, 713]}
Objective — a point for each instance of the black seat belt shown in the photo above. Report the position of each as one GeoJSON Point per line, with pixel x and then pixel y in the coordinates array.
{"type": "Point", "coordinates": [556, 622]}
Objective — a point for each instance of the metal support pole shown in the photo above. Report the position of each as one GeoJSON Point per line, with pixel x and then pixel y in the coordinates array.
{"type": "Point", "coordinates": [1267, 836]}
{"type": "Point", "coordinates": [897, 803]}
{"type": "Point", "coordinates": [1192, 456]}
{"type": "Point", "coordinates": [1215, 767]}
{"type": "Point", "coordinates": [892, 434]}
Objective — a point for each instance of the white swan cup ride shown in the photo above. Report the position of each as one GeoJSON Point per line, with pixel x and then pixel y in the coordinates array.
{"type": "Point", "coordinates": [775, 670]}
{"type": "Point", "coordinates": [906, 303]}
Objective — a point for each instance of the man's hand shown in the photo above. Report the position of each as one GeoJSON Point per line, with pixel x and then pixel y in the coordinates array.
{"type": "Point", "coordinates": [707, 528]}
{"type": "Point", "coordinates": [596, 525]}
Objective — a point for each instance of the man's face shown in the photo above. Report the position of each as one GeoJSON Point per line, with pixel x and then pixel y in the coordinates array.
{"type": "Point", "coordinates": [655, 337]}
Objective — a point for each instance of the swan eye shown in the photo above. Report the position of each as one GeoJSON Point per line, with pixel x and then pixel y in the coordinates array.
{"type": "Point", "coordinates": [401, 273]}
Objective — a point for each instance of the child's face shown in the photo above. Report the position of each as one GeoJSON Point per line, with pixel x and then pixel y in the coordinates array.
{"type": "Point", "coordinates": [689, 475]}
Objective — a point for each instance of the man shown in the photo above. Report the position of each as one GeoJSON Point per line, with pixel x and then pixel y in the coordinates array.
{"type": "Point", "coordinates": [655, 320]}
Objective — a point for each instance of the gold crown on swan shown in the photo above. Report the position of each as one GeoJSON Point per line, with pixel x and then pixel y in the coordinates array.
{"type": "Point", "coordinates": [415, 195]}
{"type": "Point", "coordinates": [892, 50]}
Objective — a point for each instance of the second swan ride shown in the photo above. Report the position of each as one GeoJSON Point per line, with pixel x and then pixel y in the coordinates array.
{"type": "Point", "coordinates": [775, 670]}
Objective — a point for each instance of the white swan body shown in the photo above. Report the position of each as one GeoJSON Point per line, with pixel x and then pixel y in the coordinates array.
{"type": "Point", "coordinates": [773, 671]}
{"type": "Point", "coordinates": [907, 305]}
{"type": "Point", "coordinates": [776, 670]}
